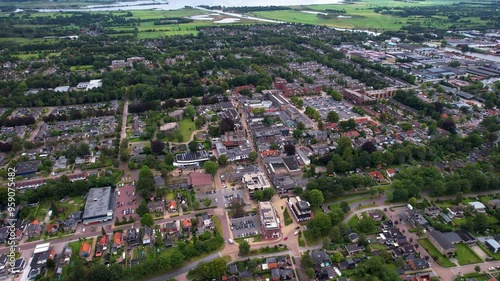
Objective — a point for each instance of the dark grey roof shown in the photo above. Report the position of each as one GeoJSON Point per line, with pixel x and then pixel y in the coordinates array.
{"type": "Point", "coordinates": [98, 202]}
{"type": "Point", "coordinates": [465, 235]}
{"type": "Point", "coordinates": [354, 247]}
{"type": "Point", "coordinates": [27, 167]}
{"type": "Point", "coordinates": [233, 268]}
{"type": "Point", "coordinates": [441, 239]}
{"type": "Point", "coordinates": [452, 237]}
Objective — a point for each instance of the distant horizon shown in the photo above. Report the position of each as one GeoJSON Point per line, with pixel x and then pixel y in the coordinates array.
{"type": "Point", "coordinates": [176, 4]}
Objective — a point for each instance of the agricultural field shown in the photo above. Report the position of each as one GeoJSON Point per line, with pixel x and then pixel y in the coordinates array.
{"type": "Point", "coordinates": [361, 15]}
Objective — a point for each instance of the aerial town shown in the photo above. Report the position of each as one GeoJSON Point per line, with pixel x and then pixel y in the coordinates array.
{"type": "Point", "coordinates": [269, 151]}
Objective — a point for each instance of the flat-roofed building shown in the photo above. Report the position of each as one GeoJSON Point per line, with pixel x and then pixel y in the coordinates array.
{"type": "Point", "coordinates": [191, 158]}
{"type": "Point", "coordinates": [99, 205]}
{"type": "Point", "coordinates": [255, 181]}
{"type": "Point", "coordinates": [270, 223]}
{"type": "Point", "coordinates": [301, 209]}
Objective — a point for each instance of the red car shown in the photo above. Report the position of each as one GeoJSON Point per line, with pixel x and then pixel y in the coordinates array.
{"type": "Point", "coordinates": [286, 238]}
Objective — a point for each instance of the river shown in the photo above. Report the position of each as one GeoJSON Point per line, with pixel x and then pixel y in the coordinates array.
{"type": "Point", "coordinates": [177, 4]}
{"type": "Point", "coordinates": [477, 55]}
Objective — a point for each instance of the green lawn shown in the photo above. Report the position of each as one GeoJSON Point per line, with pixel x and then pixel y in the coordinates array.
{"type": "Point", "coordinates": [287, 218]}
{"type": "Point", "coordinates": [186, 127]}
{"type": "Point", "coordinates": [441, 260]}
{"type": "Point", "coordinates": [465, 255]}
{"type": "Point", "coordinates": [353, 222]}
{"type": "Point", "coordinates": [477, 276]}
{"type": "Point", "coordinates": [81, 67]}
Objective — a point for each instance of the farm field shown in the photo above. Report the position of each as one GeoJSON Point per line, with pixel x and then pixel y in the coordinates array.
{"type": "Point", "coordinates": [361, 15]}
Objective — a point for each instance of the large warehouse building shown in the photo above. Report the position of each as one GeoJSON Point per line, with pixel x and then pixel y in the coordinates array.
{"type": "Point", "coordinates": [99, 205]}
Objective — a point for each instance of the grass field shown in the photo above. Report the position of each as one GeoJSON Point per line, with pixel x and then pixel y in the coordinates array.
{"type": "Point", "coordinates": [441, 260]}
{"type": "Point", "coordinates": [81, 67]}
{"type": "Point", "coordinates": [477, 276]}
{"type": "Point", "coordinates": [186, 127]}
{"type": "Point", "coordinates": [465, 255]}
{"type": "Point", "coordinates": [362, 15]}
{"type": "Point", "coordinates": [286, 217]}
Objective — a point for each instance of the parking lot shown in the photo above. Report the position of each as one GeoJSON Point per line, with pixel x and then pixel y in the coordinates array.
{"type": "Point", "coordinates": [245, 226]}
{"type": "Point", "coordinates": [232, 193]}
{"type": "Point", "coordinates": [327, 104]}
{"type": "Point", "coordinates": [127, 202]}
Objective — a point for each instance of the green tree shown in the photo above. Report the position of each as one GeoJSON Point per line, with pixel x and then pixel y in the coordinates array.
{"type": "Point", "coordinates": [142, 209]}
{"type": "Point", "coordinates": [244, 248]}
{"type": "Point", "coordinates": [190, 111]}
{"type": "Point", "coordinates": [315, 197]}
{"type": "Point", "coordinates": [147, 220]}
{"type": "Point", "coordinates": [367, 225]}
{"type": "Point", "coordinates": [145, 185]}
{"type": "Point", "coordinates": [222, 160]}
{"type": "Point", "coordinates": [211, 167]}
{"type": "Point", "coordinates": [345, 207]}
{"type": "Point", "coordinates": [481, 223]}
{"type": "Point", "coordinates": [207, 202]}
{"type": "Point", "coordinates": [208, 270]}
{"type": "Point", "coordinates": [332, 117]}
{"type": "Point", "coordinates": [412, 201]}
{"type": "Point", "coordinates": [253, 156]}
{"type": "Point", "coordinates": [306, 260]}
{"type": "Point", "coordinates": [320, 225]}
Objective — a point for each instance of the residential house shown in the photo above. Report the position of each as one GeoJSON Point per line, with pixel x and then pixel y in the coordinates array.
{"type": "Point", "coordinates": [415, 263]}
{"type": "Point", "coordinates": [19, 266]}
{"type": "Point", "coordinates": [33, 229]}
{"type": "Point", "coordinates": [159, 181]}
{"type": "Point", "coordinates": [186, 225]}
{"type": "Point", "coordinates": [478, 206]}
{"type": "Point", "coordinates": [353, 237]}
{"type": "Point", "coordinates": [52, 228]}
{"type": "Point", "coordinates": [353, 249]}
{"type": "Point", "coordinates": [148, 237]}
{"type": "Point", "coordinates": [416, 218]}
{"type": "Point", "coordinates": [171, 227]}
{"type": "Point", "coordinates": [376, 176]}
{"type": "Point", "coordinates": [207, 222]}
{"type": "Point", "coordinates": [375, 215]}
{"type": "Point", "coordinates": [320, 258]}
{"type": "Point", "coordinates": [492, 245]}
{"type": "Point", "coordinates": [84, 250]}
{"type": "Point", "coordinates": [157, 206]}
{"type": "Point", "coordinates": [432, 211]}
{"type": "Point", "coordinates": [172, 206]}
{"type": "Point", "coordinates": [102, 245]}
{"type": "Point", "coordinates": [494, 204]}
{"type": "Point", "coordinates": [390, 172]}
{"type": "Point", "coordinates": [118, 240]}
{"type": "Point", "coordinates": [133, 237]}
{"type": "Point", "coordinates": [440, 241]}
{"type": "Point", "coordinates": [466, 237]}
